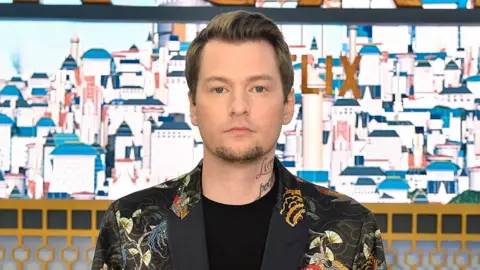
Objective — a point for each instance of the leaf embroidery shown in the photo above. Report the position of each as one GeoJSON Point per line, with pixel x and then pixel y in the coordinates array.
{"type": "Point", "coordinates": [133, 251]}
{"type": "Point", "coordinates": [127, 224]}
{"type": "Point", "coordinates": [147, 257]}
{"type": "Point", "coordinates": [137, 213]}
{"type": "Point", "coordinates": [329, 254]}
{"type": "Point", "coordinates": [333, 237]}
{"type": "Point", "coordinates": [366, 251]}
{"type": "Point", "coordinates": [315, 242]}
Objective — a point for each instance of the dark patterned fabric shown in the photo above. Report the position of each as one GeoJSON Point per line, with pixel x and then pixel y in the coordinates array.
{"type": "Point", "coordinates": [312, 228]}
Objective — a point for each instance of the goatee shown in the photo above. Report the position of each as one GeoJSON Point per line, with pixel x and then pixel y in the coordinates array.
{"type": "Point", "coordinates": [244, 157]}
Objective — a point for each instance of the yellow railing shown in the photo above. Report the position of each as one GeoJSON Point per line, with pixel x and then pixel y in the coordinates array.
{"type": "Point", "coordinates": [71, 219]}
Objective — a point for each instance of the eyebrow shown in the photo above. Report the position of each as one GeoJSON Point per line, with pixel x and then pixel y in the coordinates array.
{"type": "Point", "coordinates": [262, 77]}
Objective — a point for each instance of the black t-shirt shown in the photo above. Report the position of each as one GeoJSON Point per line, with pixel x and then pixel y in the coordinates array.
{"type": "Point", "coordinates": [236, 234]}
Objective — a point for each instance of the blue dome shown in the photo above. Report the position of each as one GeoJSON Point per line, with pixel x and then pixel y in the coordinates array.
{"type": "Point", "coordinates": [5, 120]}
{"type": "Point", "coordinates": [369, 49]}
{"type": "Point", "coordinates": [46, 122]}
{"type": "Point", "coordinates": [97, 54]}
{"type": "Point", "coordinates": [11, 90]}
{"type": "Point", "coordinates": [74, 149]}
{"type": "Point", "coordinates": [394, 183]}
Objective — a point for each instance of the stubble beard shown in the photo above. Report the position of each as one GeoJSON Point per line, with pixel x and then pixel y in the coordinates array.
{"type": "Point", "coordinates": [249, 155]}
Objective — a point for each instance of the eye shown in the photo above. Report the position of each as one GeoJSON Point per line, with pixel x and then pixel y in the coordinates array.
{"type": "Point", "coordinates": [218, 90]}
{"type": "Point", "coordinates": [259, 89]}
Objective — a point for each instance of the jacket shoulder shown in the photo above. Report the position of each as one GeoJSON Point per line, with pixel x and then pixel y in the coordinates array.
{"type": "Point", "coordinates": [326, 199]}
{"type": "Point", "coordinates": [159, 197]}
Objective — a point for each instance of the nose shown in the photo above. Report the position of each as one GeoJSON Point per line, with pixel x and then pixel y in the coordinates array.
{"type": "Point", "coordinates": [239, 104]}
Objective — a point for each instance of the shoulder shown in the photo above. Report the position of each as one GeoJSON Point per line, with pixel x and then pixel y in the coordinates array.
{"type": "Point", "coordinates": [322, 201]}
{"type": "Point", "coordinates": [157, 198]}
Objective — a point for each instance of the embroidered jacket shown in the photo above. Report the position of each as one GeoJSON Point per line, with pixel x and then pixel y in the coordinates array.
{"type": "Point", "coordinates": [312, 228]}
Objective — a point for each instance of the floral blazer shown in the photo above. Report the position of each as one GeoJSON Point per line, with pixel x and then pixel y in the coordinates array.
{"type": "Point", "coordinates": [312, 228]}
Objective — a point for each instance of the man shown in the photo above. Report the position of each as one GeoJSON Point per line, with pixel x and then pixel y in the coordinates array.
{"type": "Point", "coordinates": [239, 208]}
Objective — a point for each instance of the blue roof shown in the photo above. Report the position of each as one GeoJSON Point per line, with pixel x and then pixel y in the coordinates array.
{"type": "Point", "coordinates": [314, 176]}
{"type": "Point", "coordinates": [365, 181]}
{"type": "Point", "coordinates": [129, 61]}
{"type": "Point", "coordinates": [55, 139]}
{"type": "Point", "coordinates": [5, 120]}
{"type": "Point", "coordinates": [15, 194]}
{"type": "Point", "coordinates": [1, 176]}
{"type": "Point", "coordinates": [145, 101]}
{"type": "Point", "coordinates": [99, 148]}
{"type": "Point", "coordinates": [11, 90]}
{"type": "Point", "coordinates": [394, 183]}
{"type": "Point", "coordinates": [455, 90]}
{"type": "Point", "coordinates": [16, 79]}
{"type": "Point", "coordinates": [46, 122]}
{"type": "Point", "coordinates": [423, 63]}
{"type": "Point", "coordinates": [369, 49]}
{"type": "Point", "coordinates": [39, 92]}
{"type": "Point", "coordinates": [24, 131]}
{"type": "Point", "coordinates": [442, 166]}
{"type": "Point", "coordinates": [74, 149]}
{"type": "Point", "coordinates": [475, 78]}
{"type": "Point", "coordinates": [176, 73]}
{"type": "Point", "coordinates": [346, 102]}
{"type": "Point", "coordinates": [173, 38]}
{"type": "Point", "coordinates": [178, 57]}
{"type": "Point", "coordinates": [133, 48]}
{"type": "Point", "coordinates": [69, 63]}
{"type": "Point", "coordinates": [38, 75]}
{"type": "Point", "coordinates": [96, 54]}
{"type": "Point", "coordinates": [174, 126]}
{"type": "Point", "coordinates": [399, 123]}
{"type": "Point", "coordinates": [395, 174]}
{"type": "Point", "coordinates": [451, 66]}
{"type": "Point", "coordinates": [124, 130]}
{"type": "Point", "coordinates": [362, 171]}
{"type": "Point", "coordinates": [386, 196]}
{"type": "Point", "coordinates": [383, 133]}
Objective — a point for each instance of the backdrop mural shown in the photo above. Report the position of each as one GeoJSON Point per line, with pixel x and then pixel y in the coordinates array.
{"type": "Point", "coordinates": [90, 112]}
{"type": "Point", "coordinates": [95, 111]}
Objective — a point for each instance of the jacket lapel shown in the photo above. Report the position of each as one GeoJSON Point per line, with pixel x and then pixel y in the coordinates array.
{"type": "Point", "coordinates": [186, 232]}
{"type": "Point", "coordinates": [287, 236]}
{"type": "Point", "coordinates": [288, 233]}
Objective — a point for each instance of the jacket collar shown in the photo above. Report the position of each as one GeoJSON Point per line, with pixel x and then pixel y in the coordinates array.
{"type": "Point", "coordinates": [290, 202]}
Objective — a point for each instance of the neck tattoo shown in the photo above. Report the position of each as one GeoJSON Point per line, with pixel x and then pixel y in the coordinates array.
{"type": "Point", "coordinates": [264, 188]}
{"type": "Point", "coordinates": [265, 169]}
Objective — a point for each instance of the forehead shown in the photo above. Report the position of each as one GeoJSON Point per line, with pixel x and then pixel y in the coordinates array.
{"type": "Point", "coordinates": [238, 60]}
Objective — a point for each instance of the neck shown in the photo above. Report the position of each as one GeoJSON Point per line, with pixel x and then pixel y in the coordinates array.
{"type": "Point", "coordinates": [236, 184]}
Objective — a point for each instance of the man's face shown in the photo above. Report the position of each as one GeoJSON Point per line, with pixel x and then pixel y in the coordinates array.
{"type": "Point", "coordinates": [240, 105]}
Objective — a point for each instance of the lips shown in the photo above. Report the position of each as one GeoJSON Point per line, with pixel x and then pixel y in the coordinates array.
{"type": "Point", "coordinates": [239, 130]}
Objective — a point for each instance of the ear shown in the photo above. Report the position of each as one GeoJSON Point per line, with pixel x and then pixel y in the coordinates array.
{"type": "Point", "coordinates": [289, 108]}
{"type": "Point", "coordinates": [193, 109]}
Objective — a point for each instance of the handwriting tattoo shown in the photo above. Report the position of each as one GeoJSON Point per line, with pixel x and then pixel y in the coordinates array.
{"type": "Point", "coordinates": [266, 168]}
{"type": "Point", "coordinates": [264, 188]}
